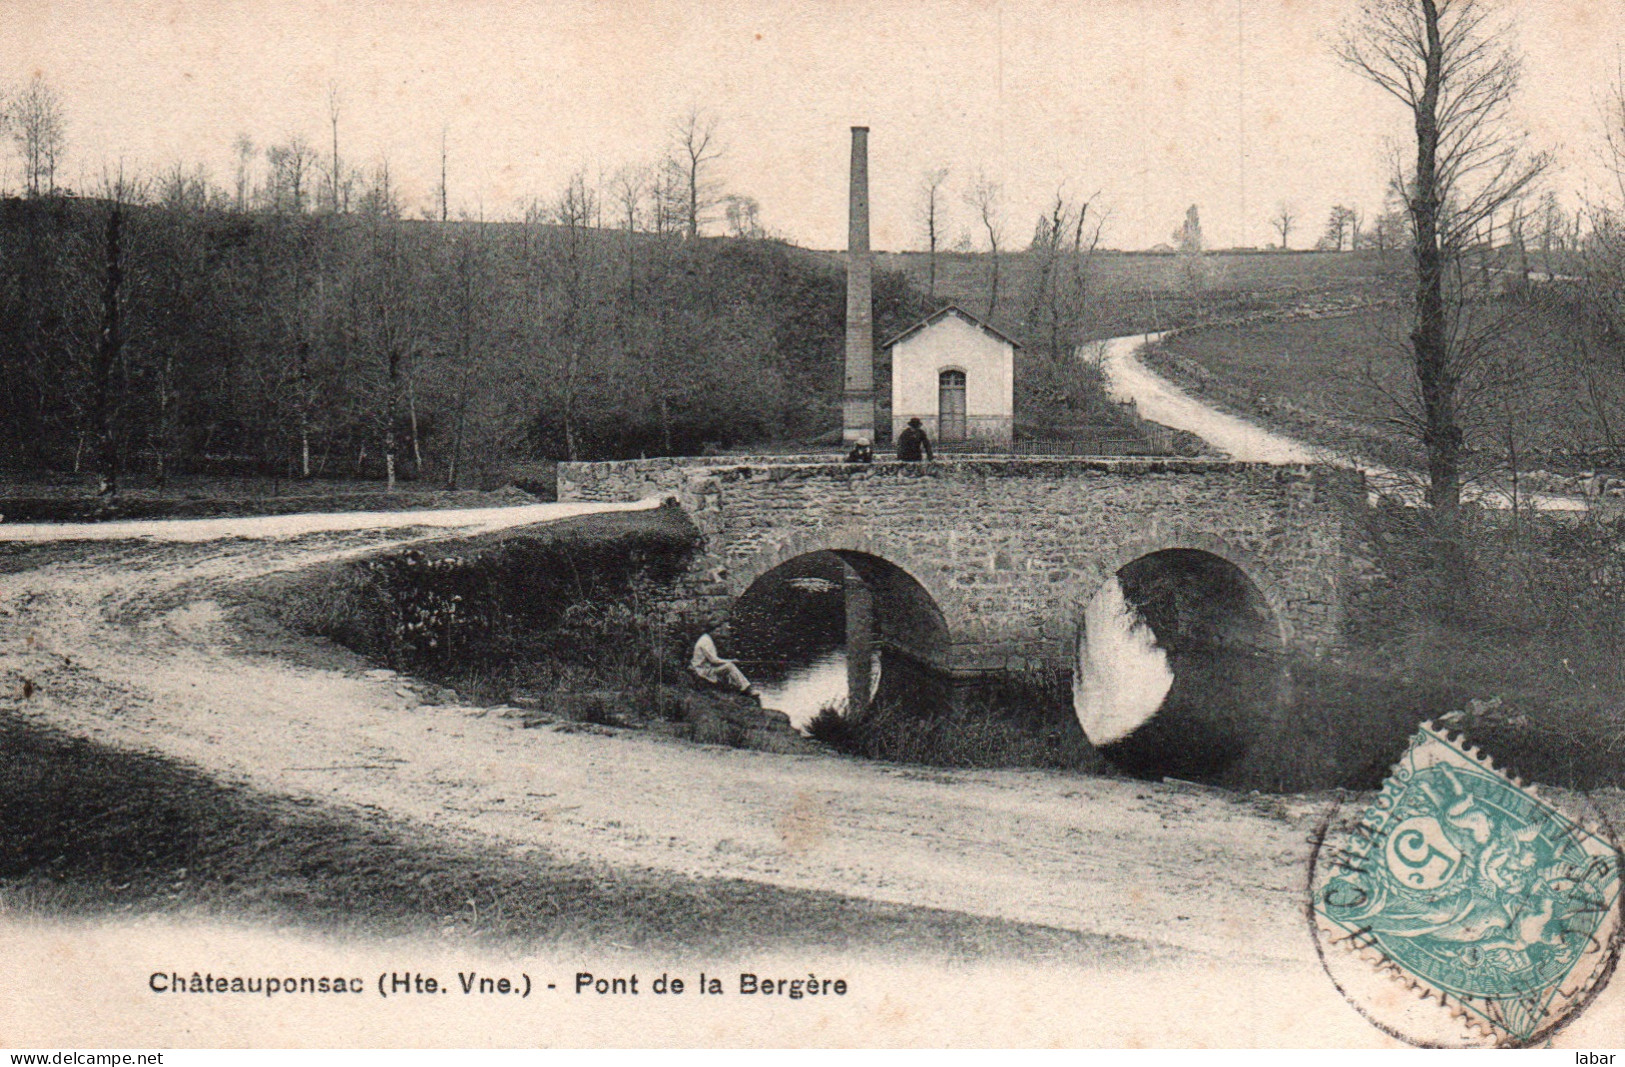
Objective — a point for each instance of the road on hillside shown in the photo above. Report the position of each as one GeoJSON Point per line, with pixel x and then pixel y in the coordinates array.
{"type": "Point", "coordinates": [1160, 401]}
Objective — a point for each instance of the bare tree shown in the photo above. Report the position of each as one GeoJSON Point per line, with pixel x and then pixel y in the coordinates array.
{"type": "Point", "coordinates": [471, 294]}
{"type": "Point", "coordinates": [445, 207]}
{"type": "Point", "coordinates": [245, 151]}
{"type": "Point", "coordinates": [5, 124]}
{"type": "Point", "coordinates": [1449, 64]}
{"type": "Point", "coordinates": [931, 211]}
{"type": "Point", "coordinates": [181, 189]}
{"type": "Point", "coordinates": [985, 197]}
{"type": "Point", "coordinates": [39, 125]}
{"type": "Point", "coordinates": [1340, 222]}
{"type": "Point", "coordinates": [573, 213]}
{"type": "Point", "coordinates": [379, 199]}
{"type": "Point", "coordinates": [1192, 246]}
{"type": "Point", "coordinates": [335, 186]}
{"type": "Point", "coordinates": [1597, 343]}
{"type": "Point", "coordinates": [743, 215]}
{"type": "Point", "coordinates": [1551, 225]}
{"type": "Point", "coordinates": [106, 383]}
{"type": "Point", "coordinates": [695, 149]}
{"type": "Point", "coordinates": [1388, 231]}
{"type": "Point", "coordinates": [1285, 217]}
{"type": "Point", "coordinates": [628, 187]}
{"type": "Point", "coordinates": [288, 184]}
{"type": "Point", "coordinates": [387, 316]}
{"type": "Point", "coordinates": [1062, 250]}
{"type": "Point", "coordinates": [1188, 238]}
{"type": "Point", "coordinates": [1518, 239]}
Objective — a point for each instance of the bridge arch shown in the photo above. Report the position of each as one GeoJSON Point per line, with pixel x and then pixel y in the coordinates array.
{"type": "Point", "coordinates": [855, 542]}
{"type": "Point", "coordinates": [907, 613]}
{"type": "Point", "coordinates": [820, 622]}
{"type": "Point", "coordinates": [1250, 567]}
{"type": "Point", "coordinates": [1180, 659]}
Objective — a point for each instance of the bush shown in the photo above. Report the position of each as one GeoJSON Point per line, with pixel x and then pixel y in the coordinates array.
{"type": "Point", "coordinates": [1013, 722]}
{"type": "Point", "coordinates": [1523, 648]}
{"type": "Point", "coordinates": [570, 606]}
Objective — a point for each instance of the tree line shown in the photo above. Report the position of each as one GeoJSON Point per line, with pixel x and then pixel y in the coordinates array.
{"type": "Point", "coordinates": [144, 337]}
{"type": "Point", "coordinates": [297, 322]}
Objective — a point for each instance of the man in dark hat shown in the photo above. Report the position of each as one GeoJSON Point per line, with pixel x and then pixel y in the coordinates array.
{"type": "Point", "coordinates": [912, 442]}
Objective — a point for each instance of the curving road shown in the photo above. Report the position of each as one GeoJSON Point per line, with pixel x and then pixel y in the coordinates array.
{"type": "Point", "coordinates": [1163, 402]}
{"type": "Point", "coordinates": [269, 527]}
{"type": "Point", "coordinates": [1160, 401]}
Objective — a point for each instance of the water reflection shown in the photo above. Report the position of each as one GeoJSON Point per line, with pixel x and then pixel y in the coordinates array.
{"type": "Point", "coordinates": [790, 637]}
{"type": "Point", "coordinates": [1123, 674]}
{"type": "Point", "coordinates": [802, 690]}
{"type": "Point", "coordinates": [1177, 675]}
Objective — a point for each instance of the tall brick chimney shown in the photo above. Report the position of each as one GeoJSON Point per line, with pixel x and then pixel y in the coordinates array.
{"type": "Point", "coordinates": [858, 399]}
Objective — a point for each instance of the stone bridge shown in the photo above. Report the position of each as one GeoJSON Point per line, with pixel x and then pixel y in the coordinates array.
{"type": "Point", "coordinates": [986, 564]}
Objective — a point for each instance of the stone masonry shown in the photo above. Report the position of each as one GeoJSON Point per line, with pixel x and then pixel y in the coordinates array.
{"type": "Point", "coordinates": [1009, 550]}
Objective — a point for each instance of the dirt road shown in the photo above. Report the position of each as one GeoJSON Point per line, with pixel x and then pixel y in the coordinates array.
{"type": "Point", "coordinates": [1160, 401]}
{"type": "Point", "coordinates": [468, 520]}
{"type": "Point", "coordinates": [127, 644]}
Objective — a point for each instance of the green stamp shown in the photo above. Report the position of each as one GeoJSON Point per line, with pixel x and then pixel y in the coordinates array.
{"type": "Point", "coordinates": [1474, 891]}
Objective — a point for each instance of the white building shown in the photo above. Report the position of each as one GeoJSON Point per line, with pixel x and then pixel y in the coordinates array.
{"type": "Point", "coordinates": [957, 375]}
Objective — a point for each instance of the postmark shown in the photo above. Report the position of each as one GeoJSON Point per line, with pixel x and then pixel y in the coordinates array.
{"type": "Point", "coordinates": [1463, 907]}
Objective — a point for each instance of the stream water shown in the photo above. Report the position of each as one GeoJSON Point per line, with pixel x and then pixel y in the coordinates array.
{"type": "Point", "coordinates": [1170, 679]}
{"type": "Point", "coordinates": [801, 689]}
{"type": "Point", "coordinates": [1176, 672]}
{"type": "Point", "coordinates": [789, 637]}
{"type": "Point", "coordinates": [1123, 674]}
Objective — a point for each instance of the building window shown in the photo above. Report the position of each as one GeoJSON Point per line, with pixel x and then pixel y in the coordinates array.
{"type": "Point", "coordinates": [951, 405]}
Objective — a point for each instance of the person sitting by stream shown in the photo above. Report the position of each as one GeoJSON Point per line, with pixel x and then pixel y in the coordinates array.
{"type": "Point", "coordinates": [861, 453]}
{"type": "Point", "coordinates": [708, 664]}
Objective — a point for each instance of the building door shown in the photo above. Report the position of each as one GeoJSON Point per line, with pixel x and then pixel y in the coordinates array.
{"type": "Point", "coordinates": [951, 406]}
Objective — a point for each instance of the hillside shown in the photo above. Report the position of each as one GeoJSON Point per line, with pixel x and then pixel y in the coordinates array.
{"type": "Point", "coordinates": [1537, 396]}
{"type": "Point", "coordinates": [322, 346]}
{"type": "Point", "coordinates": [1136, 292]}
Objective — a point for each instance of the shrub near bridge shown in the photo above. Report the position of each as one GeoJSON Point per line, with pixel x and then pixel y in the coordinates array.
{"type": "Point", "coordinates": [566, 605]}
{"type": "Point", "coordinates": [1528, 660]}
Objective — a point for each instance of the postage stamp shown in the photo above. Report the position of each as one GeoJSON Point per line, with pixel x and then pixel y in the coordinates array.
{"type": "Point", "coordinates": [1473, 891]}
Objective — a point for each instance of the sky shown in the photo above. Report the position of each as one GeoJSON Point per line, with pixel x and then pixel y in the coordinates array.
{"type": "Point", "coordinates": [1145, 106]}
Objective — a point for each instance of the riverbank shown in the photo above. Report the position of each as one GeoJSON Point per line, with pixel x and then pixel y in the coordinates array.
{"type": "Point", "coordinates": [1531, 659]}
{"type": "Point", "coordinates": [131, 648]}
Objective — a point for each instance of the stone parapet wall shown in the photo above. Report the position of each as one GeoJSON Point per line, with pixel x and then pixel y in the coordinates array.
{"type": "Point", "coordinates": [628, 480]}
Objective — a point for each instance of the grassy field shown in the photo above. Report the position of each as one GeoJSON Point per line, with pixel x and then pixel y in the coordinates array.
{"type": "Point", "coordinates": [1334, 381]}
{"type": "Point", "coordinates": [88, 829]}
{"type": "Point", "coordinates": [1321, 379]}
{"type": "Point", "coordinates": [72, 498]}
{"type": "Point", "coordinates": [1135, 292]}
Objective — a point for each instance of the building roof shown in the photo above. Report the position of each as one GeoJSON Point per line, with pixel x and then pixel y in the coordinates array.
{"type": "Point", "coordinates": [937, 316]}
